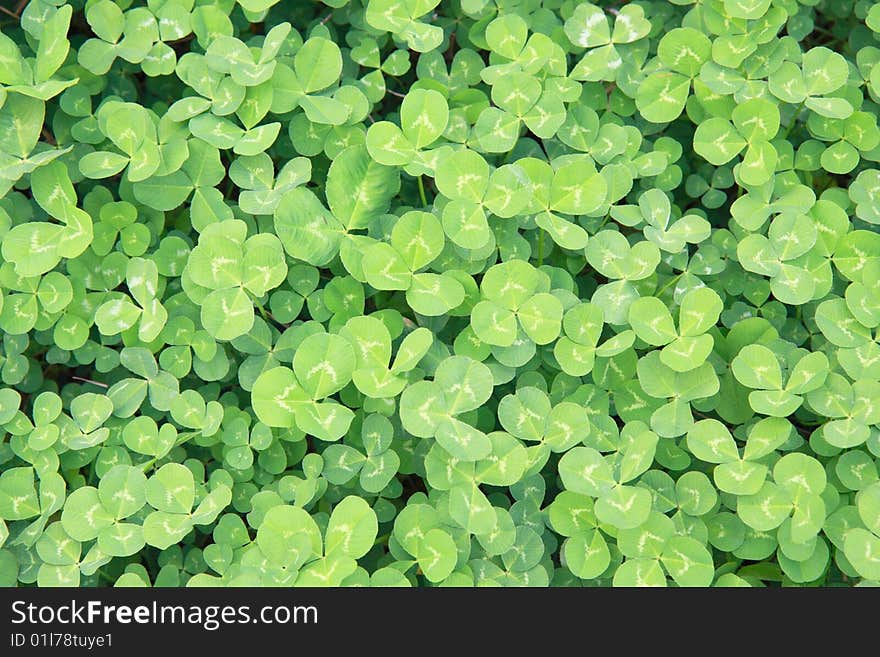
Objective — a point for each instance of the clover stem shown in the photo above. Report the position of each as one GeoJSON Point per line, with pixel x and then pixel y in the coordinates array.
{"type": "Point", "coordinates": [261, 309]}
{"type": "Point", "coordinates": [822, 30]}
{"type": "Point", "coordinates": [146, 465]}
{"type": "Point", "coordinates": [186, 435]}
{"type": "Point", "coordinates": [267, 316]}
{"type": "Point", "coordinates": [671, 281]}
{"type": "Point", "coordinates": [540, 248]}
{"type": "Point", "coordinates": [94, 383]}
{"type": "Point", "coordinates": [181, 438]}
{"type": "Point", "coordinates": [794, 119]}
{"type": "Point", "coordinates": [422, 192]}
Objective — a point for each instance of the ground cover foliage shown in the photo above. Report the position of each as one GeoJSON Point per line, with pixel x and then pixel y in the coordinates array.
{"type": "Point", "coordinates": [408, 292]}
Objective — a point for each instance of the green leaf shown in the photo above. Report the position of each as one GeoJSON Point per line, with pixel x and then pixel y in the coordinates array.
{"type": "Point", "coordinates": [467, 384]}
{"type": "Point", "coordinates": [162, 529]}
{"type": "Point", "coordinates": [385, 269]}
{"type": "Point", "coordinates": [755, 366]}
{"type": "Point", "coordinates": [84, 516]}
{"type": "Point", "coordinates": [227, 314]}
{"type": "Point", "coordinates": [122, 491]}
{"type": "Point", "coordinates": [661, 98]}
{"type": "Point", "coordinates": [21, 120]}
{"type": "Point", "coordinates": [868, 503]}
{"type": "Point", "coordinates": [306, 229]}
{"type": "Point", "coordinates": [18, 495]}
{"type": "Point", "coordinates": [463, 175]}
{"type": "Point", "coordinates": [624, 507]}
{"type": "Point", "coordinates": [862, 549]}
{"type": "Point", "coordinates": [639, 572]}
{"type": "Point", "coordinates": [587, 555]}
{"type": "Point", "coordinates": [717, 141]}
{"type": "Point", "coordinates": [471, 510]}
{"type": "Point", "coordinates": [352, 528]}
{"type": "Point", "coordinates": [587, 27]}
{"type": "Point", "coordinates": [541, 318]}
{"type": "Point", "coordinates": [578, 294]}
{"type": "Point", "coordinates": [652, 321]}
{"type": "Point", "coordinates": [684, 50]}
{"type": "Point", "coordinates": [462, 441]}
{"type": "Point", "coordinates": [424, 115]}
{"type": "Point", "coordinates": [766, 509]}
{"type": "Point", "coordinates": [437, 555]}
{"type": "Point", "coordinates": [418, 237]}
{"type": "Point", "coordinates": [171, 489]}
{"type": "Point", "coordinates": [710, 441]}
{"type": "Point", "coordinates": [359, 189]}
{"type": "Point", "coordinates": [824, 71]}
{"type": "Point", "coordinates": [740, 477]}
{"type": "Point", "coordinates": [688, 562]}
{"type": "Point", "coordinates": [54, 45]}
{"type": "Point", "coordinates": [323, 364]}
{"type": "Point", "coordinates": [317, 64]}
{"type": "Point", "coordinates": [583, 470]}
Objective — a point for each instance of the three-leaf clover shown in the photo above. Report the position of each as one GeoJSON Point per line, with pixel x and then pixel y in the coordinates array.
{"type": "Point", "coordinates": [756, 367]}
{"type": "Point", "coordinates": [227, 271]}
{"type": "Point", "coordinates": [752, 125]}
{"type": "Point", "coordinates": [688, 346]}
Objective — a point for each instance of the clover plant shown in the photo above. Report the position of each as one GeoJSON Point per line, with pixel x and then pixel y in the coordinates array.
{"type": "Point", "coordinates": [439, 293]}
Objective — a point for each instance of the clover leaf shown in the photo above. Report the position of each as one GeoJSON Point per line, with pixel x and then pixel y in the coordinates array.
{"type": "Point", "coordinates": [411, 293]}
